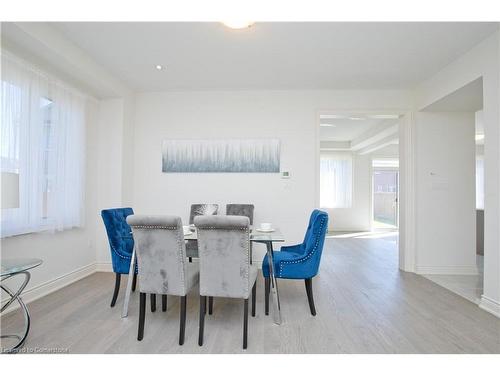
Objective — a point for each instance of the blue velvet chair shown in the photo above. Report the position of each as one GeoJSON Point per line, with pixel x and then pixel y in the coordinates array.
{"type": "Point", "coordinates": [300, 261]}
{"type": "Point", "coordinates": [121, 244]}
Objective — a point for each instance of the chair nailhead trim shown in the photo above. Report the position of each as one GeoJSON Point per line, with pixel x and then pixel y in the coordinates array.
{"type": "Point", "coordinates": [301, 260]}
{"type": "Point", "coordinates": [153, 227]}
{"type": "Point", "coordinates": [121, 256]}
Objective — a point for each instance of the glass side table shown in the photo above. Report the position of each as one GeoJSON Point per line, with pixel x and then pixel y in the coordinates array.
{"type": "Point", "coordinates": [9, 269]}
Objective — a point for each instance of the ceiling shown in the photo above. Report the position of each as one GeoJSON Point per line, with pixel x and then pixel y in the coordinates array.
{"type": "Point", "coordinates": [299, 55]}
{"type": "Point", "coordinates": [468, 98]}
{"type": "Point", "coordinates": [345, 129]}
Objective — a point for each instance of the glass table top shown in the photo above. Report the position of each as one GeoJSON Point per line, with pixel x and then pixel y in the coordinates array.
{"type": "Point", "coordinates": [15, 265]}
{"type": "Point", "coordinates": [255, 235]}
{"type": "Point", "coordinates": [274, 236]}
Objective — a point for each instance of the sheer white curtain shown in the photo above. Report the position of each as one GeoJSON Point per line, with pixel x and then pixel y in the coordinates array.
{"type": "Point", "coordinates": [43, 140]}
{"type": "Point", "coordinates": [335, 180]}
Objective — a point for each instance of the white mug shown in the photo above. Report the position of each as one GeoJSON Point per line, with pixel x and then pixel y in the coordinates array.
{"type": "Point", "coordinates": [265, 226]}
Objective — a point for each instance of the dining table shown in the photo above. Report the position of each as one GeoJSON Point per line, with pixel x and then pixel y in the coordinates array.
{"type": "Point", "coordinates": [257, 235]}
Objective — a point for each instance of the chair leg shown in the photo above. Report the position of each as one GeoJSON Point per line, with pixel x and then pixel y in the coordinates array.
{"type": "Point", "coordinates": [203, 305]}
{"type": "Point", "coordinates": [245, 324]}
{"type": "Point", "coordinates": [254, 292]}
{"type": "Point", "coordinates": [134, 282]}
{"type": "Point", "coordinates": [182, 325]}
{"type": "Point", "coordinates": [164, 302]}
{"type": "Point", "coordinates": [153, 302]}
{"type": "Point", "coordinates": [142, 315]}
{"type": "Point", "coordinates": [117, 289]}
{"type": "Point", "coordinates": [267, 287]}
{"type": "Point", "coordinates": [310, 298]}
{"type": "Point", "coordinates": [210, 305]}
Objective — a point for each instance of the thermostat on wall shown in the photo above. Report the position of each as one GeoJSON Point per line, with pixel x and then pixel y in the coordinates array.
{"type": "Point", "coordinates": [285, 174]}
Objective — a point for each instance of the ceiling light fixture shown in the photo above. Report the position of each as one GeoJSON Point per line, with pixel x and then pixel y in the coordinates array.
{"type": "Point", "coordinates": [479, 137]}
{"type": "Point", "coordinates": [328, 125]}
{"type": "Point", "coordinates": [356, 118]}
{"type": "Point", "coordinates": [238, 24]}
{"type": "Point", "coordinates": [159, 67]}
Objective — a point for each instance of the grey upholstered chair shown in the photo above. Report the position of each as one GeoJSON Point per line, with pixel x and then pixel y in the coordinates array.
{"type": "Point", "coordinates": [234, 209]}
{"type": "Point", "coordinates": [197, 210]}
{"type": "Point", "coordinates": [161, 260]}
{"type": "Point", "coordinates": [240, 210]}
{"type": "Point", "coordinates": [225, 270]}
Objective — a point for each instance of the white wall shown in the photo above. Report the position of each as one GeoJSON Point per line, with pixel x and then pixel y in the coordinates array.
{"type": "Point", "coordinates": [482, 61]}
{"type": "Point", "coordinates": [288, 115]}
{"type": "Point", "coordinates": [446, 225]}
{"type": "Point", "coordinates": [109, 169]}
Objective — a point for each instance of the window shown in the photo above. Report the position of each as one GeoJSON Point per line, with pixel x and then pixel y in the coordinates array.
{"type": "Point", "coordinates": [43, 140]}
{"type": "Point", "coordinates": [335, 180]}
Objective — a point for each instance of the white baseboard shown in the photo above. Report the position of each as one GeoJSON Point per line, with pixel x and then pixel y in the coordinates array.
{"type": "Point", "coordinates": [490, 305]}
{"type": "Point", "coordinates": [41, 290]}
{"type": "Point", "coordinates": [104, 267]}
{"type": "Point", "coordinates": [447, 270]}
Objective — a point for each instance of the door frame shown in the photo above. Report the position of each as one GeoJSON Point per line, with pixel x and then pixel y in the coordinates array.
{"type": "Point", "coordinates": [407, 178]}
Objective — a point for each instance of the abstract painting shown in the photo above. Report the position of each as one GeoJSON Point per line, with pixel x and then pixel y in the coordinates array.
{"type": "Point", "coordinates": [230, 155]}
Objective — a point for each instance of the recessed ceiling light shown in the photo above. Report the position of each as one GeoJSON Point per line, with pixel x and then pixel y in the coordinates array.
{"type": "Point", "coordinates": [159, 67]}
{"type": "Point", "coordinates": [238, 24]}
{"type": "Point", "coordinates": [328, 125]}
{"type": "Point", "coordinates": [479, 137]}
{"type": "Point", "coordinates": [356, 118]}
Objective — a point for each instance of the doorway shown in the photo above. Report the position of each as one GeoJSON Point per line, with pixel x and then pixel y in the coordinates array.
{"type": "Point", "coordinates": [385, 195]}
{"type": "Point", "coordinates": [348, 145]}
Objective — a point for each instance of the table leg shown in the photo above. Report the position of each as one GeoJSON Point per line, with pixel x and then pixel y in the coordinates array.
{"type": "Point", "coordinates": [27, 320]}
{"type": "Point", "coordinates": [130, 278]}
{"type": "Point", "coordinates": [274, 285]}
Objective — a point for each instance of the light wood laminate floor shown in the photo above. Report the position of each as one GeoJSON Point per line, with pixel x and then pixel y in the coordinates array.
{"type": "Point", "coordinates": [364, 303]}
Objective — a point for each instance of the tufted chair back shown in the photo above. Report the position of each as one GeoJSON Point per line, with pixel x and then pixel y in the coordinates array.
{"type": "Point", "coordinates": [307, 264]}
{"type": "Point", "coordinates": [161, 255]}
{"type": "Point", "coordinates": [309, 231]}
{"type": "Point", "coordinates": [120, 238]}
{"type": "Point", "coordinates": [224, 252]}
{"type": "Point", "coordinates": [202, 209]}
{"type": "Point", "coordinates": [240, 210]}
